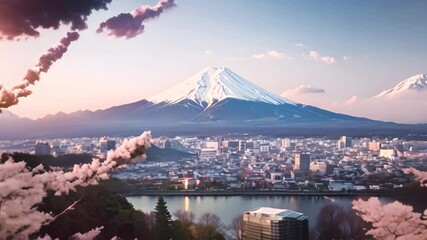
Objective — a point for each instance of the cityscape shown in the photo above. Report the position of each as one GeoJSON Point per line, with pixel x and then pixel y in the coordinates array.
{"type": "Point", "coordinates": [232, 166]}
{"type": "Point", "coordinates": [261, 163]}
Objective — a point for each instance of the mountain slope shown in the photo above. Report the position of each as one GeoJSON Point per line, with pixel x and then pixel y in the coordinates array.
{"type": "Point", "coordinates": [213, 85]}
{"type": "Point", "coordinates": [416, 83]}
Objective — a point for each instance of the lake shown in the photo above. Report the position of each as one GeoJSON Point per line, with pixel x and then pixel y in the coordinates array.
{"type": "Point", "coordinates": [228, 207]}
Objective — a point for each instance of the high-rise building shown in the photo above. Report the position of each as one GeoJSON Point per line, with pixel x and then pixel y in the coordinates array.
{"type": "Point", "coordinates": [231, 144]}
{"type": "Point", "coordinates": [250, 145]}
{"type": "Point", "coordinates": [374, 146]}
{"type": "Point", "coordinates": [207, 153]}
{"type": "Point", "coordinates": [242, 145]}
{"type": "Point", "coordinates": [105, 144]}
{"type": "Point", "coordinates": [286, 143]}
{"type": "Point", "coordinates": [388, 153]}
{"type": "Point", "coordinates": [42, 148]}
{"type": "Point", "coordinates": [264, 148]}
{"type": "Point", "coordinates": [111, 145]}
{"type": "Point", "coordinates": [274, 224]}
{"type": "Point", "coordinates": [212, 144]}
{"type": "Point", "coordinates": [345, 142]}
{"type": "Point", "coordinates": [302, 162]}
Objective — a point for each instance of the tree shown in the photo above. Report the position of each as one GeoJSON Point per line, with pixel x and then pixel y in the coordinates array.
{"type": "Point", "coordinates": [394, 220]}
{"type": "Point", "coordinates": [391, 221]}
{"type": "Point", "coordinates": [335, 222]}
{"type": "Point", "coordinates": [24, 186]}
{"type": "Point", "coordinates": [420, 176]}
{"type": "Point", "coordinates": [184, 216]}
{"type": "Point", "coordinates": [163, 224]}
{"type": "Point", "coordinates": [235, 227]}
{"type": "Point", "coordinates": [209, 227]}
{"type": "Point", "coordinates": [183, 226]}
{"type": "Point", "coordinates": [97, 206]}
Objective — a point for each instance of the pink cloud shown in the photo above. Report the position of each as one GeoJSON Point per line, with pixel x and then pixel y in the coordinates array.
{"type": "Point", "coordinates": [318, 57]}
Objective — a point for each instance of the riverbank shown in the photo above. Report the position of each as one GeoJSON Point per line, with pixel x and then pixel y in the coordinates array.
{"type": "Point", "coordinates": [250, 193]}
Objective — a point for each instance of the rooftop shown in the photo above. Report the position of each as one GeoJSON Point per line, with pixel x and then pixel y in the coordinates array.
{"type": "Point", "coordinates": [277, 212]}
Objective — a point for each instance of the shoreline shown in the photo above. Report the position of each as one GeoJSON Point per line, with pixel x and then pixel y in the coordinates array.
{"type": "Point", "coordinates": [247, 193]}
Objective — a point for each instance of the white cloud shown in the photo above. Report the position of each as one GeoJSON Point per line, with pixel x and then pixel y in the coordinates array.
{"type": "Point", "coordinates": [402, 109]}
{"type": "Point", "coordinates": [206, 52]}
{"type": "Point", "coordinates": [303, 89]}
{"type": "Point", "coordinates": [328, 59]}
{"type": "Point", "coordinates": [318, 57]}
{"type": "Point", "coordinates": [299, 45]}
{"type": "Point", "coordinates": [314, 55]}
{"type": "Point", "coordinates": [346, 58]}
{"type": "Point", "coordinates": [272, 54]}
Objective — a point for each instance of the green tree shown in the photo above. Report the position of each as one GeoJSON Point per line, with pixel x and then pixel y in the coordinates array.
{"type": "Point", "coordinates": [209, 227]}
{"type": "Point", "coordinates": [336, 222]}
{"type": "Point", "coordinates": [183, 225]}
{"type": "Point", "coordinates": [97, 206]}
{"type": "Point", "coordinates": [163, 224]}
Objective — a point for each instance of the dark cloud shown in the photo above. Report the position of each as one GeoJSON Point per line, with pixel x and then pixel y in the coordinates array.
{"type": "Point", "coordinates": [55, 53]}
{"type": "Point", "coordinates": [303, 89]}
{"type": "Point", "coordinates": [130, 25]}
{"type": "Point", "coordinates": [20, 18]}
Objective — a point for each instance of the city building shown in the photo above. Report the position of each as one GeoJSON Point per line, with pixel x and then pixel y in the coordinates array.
{"type": "Point", "coordinates": [105, 145]}
{"type": "Point", "coordinates": [212, 144]}
{"type": "Point", "coordinates": [286, 143]}
{"type": "Point", "coordinates": [111, 145]}
{"type": "Point", "coordinates": [388, 153]}
{"type": "Point", "coordinates": [42, 148]}
{"type": "Point", "coordinates": [230, 144]}
{"type": "Point", "coordinates": [374, 146]}
{"type": "Point", "coordinates": [207, 153]}
{"type": "Point", "coordinates": [319, 167]}
{"type": "Point", "coordinates": [242, 145]}
{"type": "Point", "coordinates": [264, 148]}
{"type": "Point", "coordinates": [345, 142]}
{"type": "Point", "coordinates": [302, 162]}
{"type": "Point", "coordinates": [274, 224]}
{"type": "Point", "coordinates": [338, 185]}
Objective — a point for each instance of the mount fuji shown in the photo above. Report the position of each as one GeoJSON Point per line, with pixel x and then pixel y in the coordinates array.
{"type": "Point", "coordinates": [219, 94]}
{"type": "Point", "coordinates": [214, 101]}
{"type": "Point", "coordinates": [212, 85]}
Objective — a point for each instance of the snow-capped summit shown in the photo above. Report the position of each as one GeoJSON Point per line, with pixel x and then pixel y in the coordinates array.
{"type": "Point", "coordinates": [212, 85]}
{"type": "Point", "coordinates": [414, 83]}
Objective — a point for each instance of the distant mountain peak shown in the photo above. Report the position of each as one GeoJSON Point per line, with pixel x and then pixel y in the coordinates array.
{"type": "Point", "coordinates": [214, 84]}
{"type": "Point", "coordinates": [415, 83]}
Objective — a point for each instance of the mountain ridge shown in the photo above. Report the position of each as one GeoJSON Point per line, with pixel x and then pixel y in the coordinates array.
{"type": "Point", "coordinates": [211, 105]}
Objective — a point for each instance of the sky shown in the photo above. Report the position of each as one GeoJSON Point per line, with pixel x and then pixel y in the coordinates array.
{"type": "Point", "coordinates": [335, 49]}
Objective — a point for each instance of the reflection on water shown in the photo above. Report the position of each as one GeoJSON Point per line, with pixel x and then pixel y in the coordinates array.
{"type": "Point", "coordinates": [186, 204]}
{"type": "Point", "coordinates": [227, 207]}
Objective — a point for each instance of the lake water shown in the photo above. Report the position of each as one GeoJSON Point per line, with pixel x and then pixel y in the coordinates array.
{"type": "Point", "coordinates": [228, 207]}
